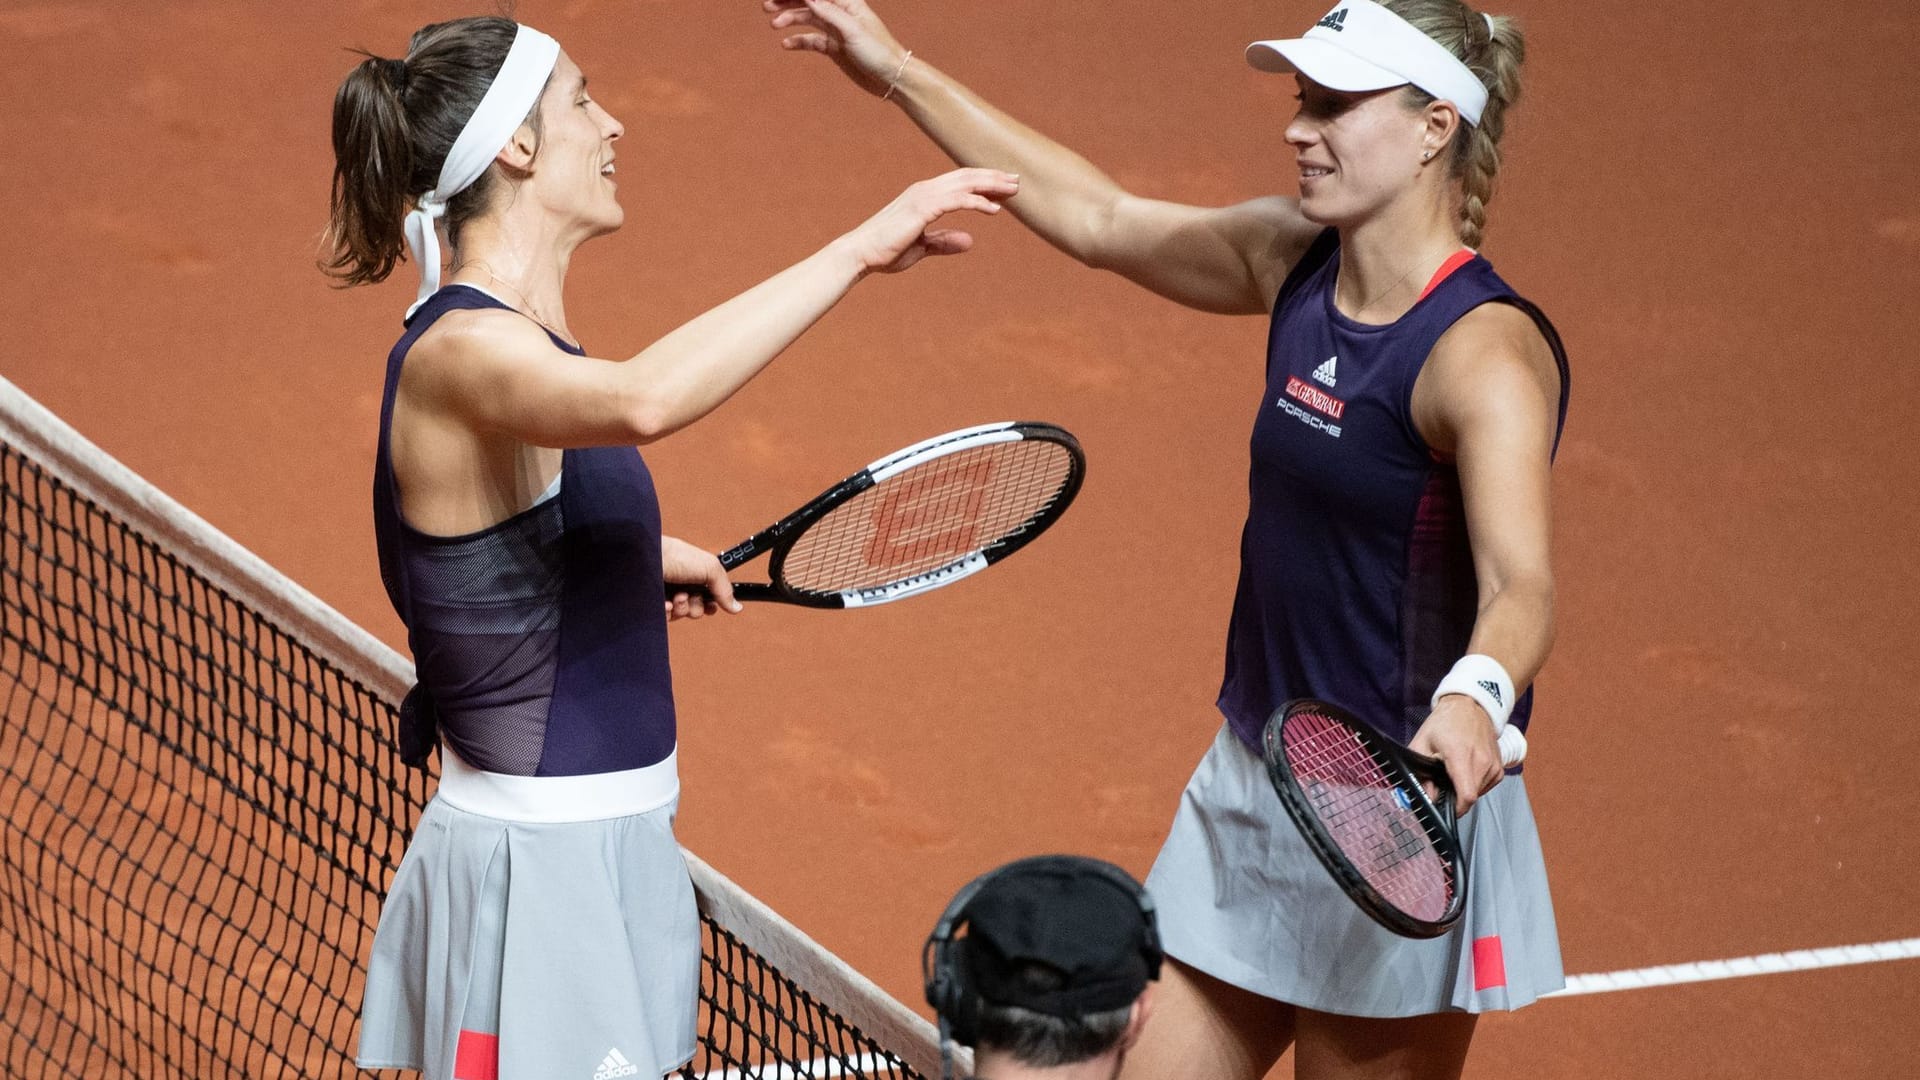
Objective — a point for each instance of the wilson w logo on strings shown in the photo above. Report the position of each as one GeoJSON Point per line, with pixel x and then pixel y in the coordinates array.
{"type": "Point", "coordinates": [908, 522]}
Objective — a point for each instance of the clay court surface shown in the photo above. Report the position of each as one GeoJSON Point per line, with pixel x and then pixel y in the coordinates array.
{"type": "Point", "coordinates": [1715, 201]}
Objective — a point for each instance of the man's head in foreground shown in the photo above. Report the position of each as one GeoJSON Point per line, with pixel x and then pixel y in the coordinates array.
{"type": "Point", "coordinates": [1043, 967]}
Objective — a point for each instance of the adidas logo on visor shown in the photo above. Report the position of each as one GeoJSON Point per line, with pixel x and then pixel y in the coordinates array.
{"type": "Point", "coordinates": [1383, 51]}
{"type": "Point", "coordinates": [615, 1065]}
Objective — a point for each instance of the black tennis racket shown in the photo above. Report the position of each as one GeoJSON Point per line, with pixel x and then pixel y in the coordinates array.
{"type": "Point", "coordinates": [1360, 800]}
{"type": "Point", "coordinates": [926, 516]}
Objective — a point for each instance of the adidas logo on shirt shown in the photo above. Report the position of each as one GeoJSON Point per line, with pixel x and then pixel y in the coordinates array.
{"type": "Point", "coordinates": [614, 1065]}
{"type": "Point", "coordinates": [1335, 20]}
{"type": "Point", "coordinates": [1324, 373]}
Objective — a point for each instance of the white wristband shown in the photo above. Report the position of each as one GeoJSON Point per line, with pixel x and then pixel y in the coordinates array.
{"type": "Point", "coordinates": [1481, 678]}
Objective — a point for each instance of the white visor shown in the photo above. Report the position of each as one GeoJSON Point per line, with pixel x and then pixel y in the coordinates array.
{"type": "Point", "coordinates": [1362, 46]}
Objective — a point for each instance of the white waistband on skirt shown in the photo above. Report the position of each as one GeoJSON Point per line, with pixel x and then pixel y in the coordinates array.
{"type": "Point", "coordinates": [548, 800]}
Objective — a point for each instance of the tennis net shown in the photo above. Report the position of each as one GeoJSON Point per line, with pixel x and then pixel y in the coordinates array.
{"type": "Point", "coordinates": [201, 806]}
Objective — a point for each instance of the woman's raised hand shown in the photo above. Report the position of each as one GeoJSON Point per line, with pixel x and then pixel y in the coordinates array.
{"type": "Point", "coordinates": [846, 30]}
{"type": "Point", "coordinates": [901, 233]}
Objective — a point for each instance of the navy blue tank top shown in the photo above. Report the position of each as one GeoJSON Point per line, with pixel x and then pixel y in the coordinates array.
{"type": "Point", "coordinates": [540, 643]}
{"type": "Point", "coordinates": [1357, 583]}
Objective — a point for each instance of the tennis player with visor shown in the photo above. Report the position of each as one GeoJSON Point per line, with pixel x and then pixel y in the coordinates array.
{"type": "Point", "coordinates": [1395, 555]}
{"type": "Point", "coordinates": [542, 922]}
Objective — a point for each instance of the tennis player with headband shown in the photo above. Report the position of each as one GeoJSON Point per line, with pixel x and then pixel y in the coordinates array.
{"type": "Point", "coordinates": [1395, 554]}
{"type": "Point", "coordinates": [542, 923]}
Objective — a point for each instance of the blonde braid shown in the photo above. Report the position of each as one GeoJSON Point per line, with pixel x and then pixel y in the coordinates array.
{"type": "Point", "coordinates": [1494, 55]}
{"type": "Point", "coordinates": [1476, 161]}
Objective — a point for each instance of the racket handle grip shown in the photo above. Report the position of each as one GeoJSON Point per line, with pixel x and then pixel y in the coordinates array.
{"type": "Point", "coordinates": [742, 590]}
{"type": "Point", "coordinates": [1513, 746]}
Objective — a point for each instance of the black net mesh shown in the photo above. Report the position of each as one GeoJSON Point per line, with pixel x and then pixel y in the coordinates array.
{"type": "Point", "coordinates": [198, 817]}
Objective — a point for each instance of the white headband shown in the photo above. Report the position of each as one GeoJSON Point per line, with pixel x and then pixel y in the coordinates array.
{"type": "Point", "coordinates": [1360, 45]}
{"type": "Point", "coordinates": [511, 96]}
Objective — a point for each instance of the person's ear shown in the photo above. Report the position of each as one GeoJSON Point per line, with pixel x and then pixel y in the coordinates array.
{"type": "Point", "coordinates": [517, 155]}
{"type": "Point", "coordinates": [1442, 123]}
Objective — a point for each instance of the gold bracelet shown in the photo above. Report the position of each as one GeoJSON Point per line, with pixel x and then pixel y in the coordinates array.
{"type": "Point", "coordinates": [896, 75]}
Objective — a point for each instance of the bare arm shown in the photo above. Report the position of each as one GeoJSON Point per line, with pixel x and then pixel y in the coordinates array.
{"type": "Point", "coordinates": [1489, 397]}
{"type": "Point", "coordinates": [1229, 260]}
{"type": "Point", "coordinates": [496, 372]}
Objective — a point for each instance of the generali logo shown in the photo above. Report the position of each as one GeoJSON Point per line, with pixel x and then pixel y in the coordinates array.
{"type": "Point", "coordinates": [1335, 20]}
{"type": "Point", "coordinates": [1314, 398]}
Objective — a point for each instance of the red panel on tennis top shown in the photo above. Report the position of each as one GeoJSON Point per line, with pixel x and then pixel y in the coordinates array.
{"type": "Point", "coordinates": [1454, 262]}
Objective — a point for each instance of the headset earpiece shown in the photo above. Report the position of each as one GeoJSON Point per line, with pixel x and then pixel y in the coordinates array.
{"type": "Point", "coordinates": [944, 987]}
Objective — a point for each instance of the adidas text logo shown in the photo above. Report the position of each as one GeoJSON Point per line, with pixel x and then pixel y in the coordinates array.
{"type": "Point", "coordinates": [614, 1065]}
{"type": "Point", "coordinates": [1493, 689]}
{"type": "Point", "coordinates": [1335, 20]}
{"type": "Point", "coordinates": [1324, 373]}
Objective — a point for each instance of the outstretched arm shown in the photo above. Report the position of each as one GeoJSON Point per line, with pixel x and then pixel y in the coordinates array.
{"type": "Point", "coordinates": [1229, 260]}
{"type": "Point", "coordinates": [495, 371]}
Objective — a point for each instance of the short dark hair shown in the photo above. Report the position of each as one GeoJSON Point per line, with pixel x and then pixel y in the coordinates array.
{"type": "Point", "coordinates": [1040, 1041]}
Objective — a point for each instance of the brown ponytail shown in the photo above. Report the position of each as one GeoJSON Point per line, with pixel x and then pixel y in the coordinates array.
{"type": "Point", "coordinates": [1495, 56]}
{"type": "Point", "coordinates": [372, 173]}
{"type": "Point", "coordinates": [394, 122]}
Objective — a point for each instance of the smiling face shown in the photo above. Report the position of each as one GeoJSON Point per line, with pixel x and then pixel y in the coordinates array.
{"type": "Point", "coordinates": [573, 172]}
{"type": "Point", "coordinates": [1358, 152]}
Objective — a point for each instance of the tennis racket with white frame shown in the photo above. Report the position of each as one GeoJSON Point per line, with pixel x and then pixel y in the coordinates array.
{"type": "Point", "coordinates": [921, 518]}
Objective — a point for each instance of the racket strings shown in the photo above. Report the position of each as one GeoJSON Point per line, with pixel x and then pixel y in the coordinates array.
{"type": "Point", "coordinates": [1368, 818]}
{"type": "Point", "coordinates": [930, 516]}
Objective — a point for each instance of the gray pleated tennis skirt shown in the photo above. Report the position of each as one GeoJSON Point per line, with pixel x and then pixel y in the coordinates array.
{"type": "Point", "coordinates": [548, 920]}
{"type": "Point", "coordinates": [1241, 897]}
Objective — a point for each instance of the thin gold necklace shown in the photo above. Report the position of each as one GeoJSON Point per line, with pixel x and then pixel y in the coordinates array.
{"type": "Point", "coordinates": [1377, 297]}
{"type": "Point", "coordinates": [526, 306]}
{"type": "Point", "coordinates": [1382, 294]}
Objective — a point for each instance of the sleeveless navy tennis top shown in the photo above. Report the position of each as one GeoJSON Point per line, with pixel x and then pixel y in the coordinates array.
{"type": "Point", "coordinates": [1357, 583]}
{"type": "Point", "coordinates": [540, 643]}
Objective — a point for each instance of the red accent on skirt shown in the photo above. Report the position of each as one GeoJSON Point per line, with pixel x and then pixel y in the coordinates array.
{"type": "Point", "coordinates": [476, 1056]}
{"type": "Point", "coordinates": [1489, 964]}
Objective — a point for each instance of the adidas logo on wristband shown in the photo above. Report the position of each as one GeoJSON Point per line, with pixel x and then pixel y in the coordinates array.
{"type": "Point", "coordinates": [1481, 678]}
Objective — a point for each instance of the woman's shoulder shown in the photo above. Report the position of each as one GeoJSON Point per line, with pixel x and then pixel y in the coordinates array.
{"type": "Point", "coordinates": [470, 320]}
{"type": "Point", "coordinates": [1484, 314]}
{"type": "Point", "coordinates": [1494, 343]}
{"type": "Point", "coordinates": [473, 343]}
{"type": "Point", "coordinates": [1496, 326]}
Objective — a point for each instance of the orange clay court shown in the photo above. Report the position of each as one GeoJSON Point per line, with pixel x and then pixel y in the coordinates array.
{"type": "Point", "coordinates": [1715, 201]}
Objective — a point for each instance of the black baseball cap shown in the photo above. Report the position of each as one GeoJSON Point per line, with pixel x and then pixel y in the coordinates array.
{"type": "Point", "coordinates": [1061, 935]}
